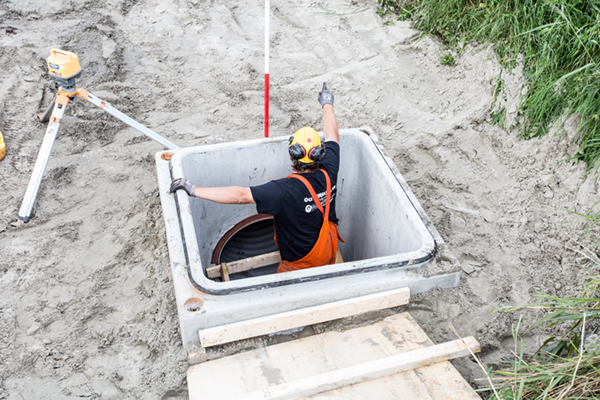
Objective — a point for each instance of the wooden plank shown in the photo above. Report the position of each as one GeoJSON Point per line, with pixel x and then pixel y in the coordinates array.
{"type": "Point", "coordinates": [245, 264]}
{"type": "Point", "coordinates": [367, 371]}
{"type": "Point", "coordinates": [225, 272]}
{"type": "Point", "coordinates": [303, 317]}
{"type": "Point", "coordinates": [338, 257]}
{"type": "Point", "coordinates": [249, 263]}
{"type": "Point", "coordinates": [233, 376]}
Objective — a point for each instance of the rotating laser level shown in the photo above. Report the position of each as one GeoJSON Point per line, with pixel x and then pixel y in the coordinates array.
{"type": "Point", "coordinates": [64, 68]}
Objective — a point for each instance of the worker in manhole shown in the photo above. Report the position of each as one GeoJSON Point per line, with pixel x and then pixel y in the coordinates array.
{"type": "Point", "coordinates": [303, 203]}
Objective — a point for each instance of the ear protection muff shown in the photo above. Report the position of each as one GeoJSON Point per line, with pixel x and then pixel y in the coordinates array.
{"type": "Point", "coordinates": [297, 151]}
{"type": "Point", "coordinates": [316, 153]}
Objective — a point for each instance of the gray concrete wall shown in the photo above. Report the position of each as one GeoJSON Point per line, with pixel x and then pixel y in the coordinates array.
{"type": "Point", "coordinates": [376, 218]}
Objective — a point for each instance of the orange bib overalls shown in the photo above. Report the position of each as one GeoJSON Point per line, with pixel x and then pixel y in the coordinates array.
{"type": "Point", "coordinates": [324, 251]}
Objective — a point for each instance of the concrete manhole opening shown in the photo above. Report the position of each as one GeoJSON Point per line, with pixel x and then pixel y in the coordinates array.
{"type": "Point", "coordinates": [251, 237]}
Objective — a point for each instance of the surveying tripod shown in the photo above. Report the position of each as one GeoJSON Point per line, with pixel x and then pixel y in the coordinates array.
{"type": "Point", "coordinates": [64, 69]}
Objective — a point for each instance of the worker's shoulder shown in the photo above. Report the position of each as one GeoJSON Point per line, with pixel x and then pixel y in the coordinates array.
{"type": "Point", "coordinates": [331, 147]}
{"type": "Point", "coordinates": [331, 158]}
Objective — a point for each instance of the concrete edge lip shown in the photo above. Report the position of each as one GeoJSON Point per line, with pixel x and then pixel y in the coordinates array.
{"type": "Point", "coordinates": [182, 214]}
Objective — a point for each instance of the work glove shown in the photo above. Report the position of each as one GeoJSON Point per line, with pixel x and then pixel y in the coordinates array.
{"type": "Point", "coordinates": [182, 183]}
{"type": "Point", "coordinates": [325, 96]}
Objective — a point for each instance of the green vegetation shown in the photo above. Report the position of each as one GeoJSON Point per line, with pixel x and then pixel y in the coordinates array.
{"type": "Point", "coordinates": [565, 367]}
{"type": "Point", "coordinates": [593, 219]}
{"type": "Point", "coordinates": [556, 42]}
{"type": "Point", "coordinates": [447, 59]}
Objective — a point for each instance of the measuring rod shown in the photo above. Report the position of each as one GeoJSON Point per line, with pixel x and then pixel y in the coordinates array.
{"type": "Point", "coordinates": [267, 6]}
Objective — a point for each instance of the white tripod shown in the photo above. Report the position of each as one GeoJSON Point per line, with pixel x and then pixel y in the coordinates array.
{"type": "Point", "coordinates": [54, 114]}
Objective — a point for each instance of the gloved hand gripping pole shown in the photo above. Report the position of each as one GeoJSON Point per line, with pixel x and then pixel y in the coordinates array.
{"type": "Point", "coordinates": [66, 92]}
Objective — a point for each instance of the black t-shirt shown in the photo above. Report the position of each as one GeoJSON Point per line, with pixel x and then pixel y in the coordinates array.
{"type": "Point", "coordinates": [298, 221]}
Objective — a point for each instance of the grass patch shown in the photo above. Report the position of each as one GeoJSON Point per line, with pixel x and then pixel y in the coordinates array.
{"type": "Point", "coordinates": [447, 59]}
{"type": "Point", "coordinates": [566, 366]}
{"type": "Point", "coordinates": [556, 42]}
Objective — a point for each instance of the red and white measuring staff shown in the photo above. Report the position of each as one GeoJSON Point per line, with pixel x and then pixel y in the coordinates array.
{"type": "Point", "coordinates": [267, 6]}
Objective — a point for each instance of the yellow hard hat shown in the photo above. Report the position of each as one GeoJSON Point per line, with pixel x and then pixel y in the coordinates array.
{"type": "Point", "coordinates": [305, 146]}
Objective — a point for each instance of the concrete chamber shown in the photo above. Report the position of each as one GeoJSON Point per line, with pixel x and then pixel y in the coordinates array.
{"type": "Point", "coordinates": [390, 242]}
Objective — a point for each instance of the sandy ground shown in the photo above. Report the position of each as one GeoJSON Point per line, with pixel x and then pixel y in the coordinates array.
{"type": "Point", "coordinates": [86, 299]}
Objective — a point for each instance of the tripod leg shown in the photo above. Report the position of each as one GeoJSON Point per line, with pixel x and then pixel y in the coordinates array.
{"type": "Point", "coordinates": [42, 160]}
{"type": "Point", "coordinates": [129, 121]}
{"type": "Point", "coordinates": [45, 117]}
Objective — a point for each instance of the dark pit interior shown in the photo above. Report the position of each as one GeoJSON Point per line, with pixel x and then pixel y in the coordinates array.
{"type": "Point", "coordinates": [251, 240]}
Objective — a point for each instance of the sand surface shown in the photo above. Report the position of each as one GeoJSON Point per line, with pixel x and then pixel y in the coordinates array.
{"type": "Point", "coordinates": [86, 300]}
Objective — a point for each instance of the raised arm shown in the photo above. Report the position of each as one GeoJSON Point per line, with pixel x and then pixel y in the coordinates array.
{"type": "Point", "coordinates": [330, 126]}
{"type": "Point", "coordinates": [224, 195]}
